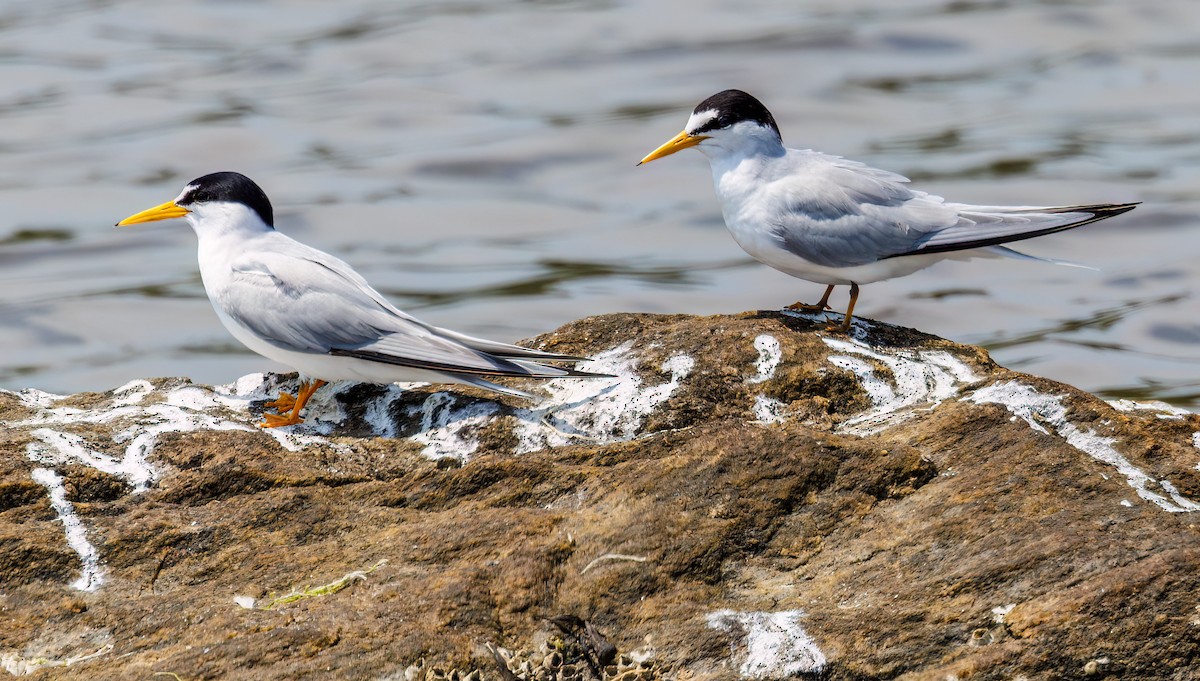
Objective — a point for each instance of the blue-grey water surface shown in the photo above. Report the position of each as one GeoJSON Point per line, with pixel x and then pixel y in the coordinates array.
{"type": "Point", "coordinates": [475, 161]}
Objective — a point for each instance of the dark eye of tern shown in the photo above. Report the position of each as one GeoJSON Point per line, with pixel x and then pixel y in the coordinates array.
{"type": "Point", "coordinates": [231, 187]}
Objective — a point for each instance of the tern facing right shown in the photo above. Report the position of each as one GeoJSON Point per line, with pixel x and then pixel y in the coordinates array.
{"type": "Point", "coordinates": [838, 222]}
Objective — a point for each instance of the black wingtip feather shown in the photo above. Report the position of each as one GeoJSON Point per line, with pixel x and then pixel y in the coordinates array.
{"type": "Point", "coordinates": [515, 372]}
{"type": "Point", "coordinates": [1099, 211]}
{"type": "Point", "coordinates": [539, 356]}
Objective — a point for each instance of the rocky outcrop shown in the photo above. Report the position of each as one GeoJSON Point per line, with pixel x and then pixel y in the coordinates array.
{"type": "Point", "coordinates": [750, 497]}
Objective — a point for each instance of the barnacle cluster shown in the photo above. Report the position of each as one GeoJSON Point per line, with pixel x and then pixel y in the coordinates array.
{"type": "Point", "coordinates": [557, 659]}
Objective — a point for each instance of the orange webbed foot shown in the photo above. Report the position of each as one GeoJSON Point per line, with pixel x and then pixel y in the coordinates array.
{"type": "Point", "coordinates": [280, 420]}
{"type": "Point", "coordinates": [284, 402]}
{"type": "Point", "coordinates": [806, 307]}
{"type": "Point", "coordinates": [821, 306]}
{"type": "Point", "coordinates": [843, 327]}
{"type": "Point", "coordinates": [293, 405]}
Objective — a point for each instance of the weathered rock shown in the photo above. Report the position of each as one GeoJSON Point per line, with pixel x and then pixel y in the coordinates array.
{"type": "Point", "coordinates": [750, 497]}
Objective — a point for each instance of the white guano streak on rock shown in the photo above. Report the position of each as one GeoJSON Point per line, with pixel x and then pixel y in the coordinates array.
{"type": "Point", "coordinates": [378, 414]}
{"type": "Point", "coordinates": [770, 354]}
{"type": "Point", "coordinates": [143, 425]}
{"type": "Point", "coordinates": [769, 409]}
{"type": "Point", "coordinates": [34, 398]}
{"type": "Point", "coordinates": [598, 410]}
{"type": "Point", "coordinates": [58, 448]}
{"type": "Point", "coordinates": [1166, 412]}
{"type": "Point", "coordinates": [445, 430]}
{"type": "Point", "coordinates": [918, 378]}
{"type": "Point", "coordinates": [137, 425]}
{"type": "Point", "coordinates": [776, 645]}
{"type": "Point", "coordinates": [594, 410]}
{"type": "Point", "coordinates": [92, 577]}
{"type": "Point", "coordinates": [860, 328]}
{"type": "Point", "coordinates": [1040, 411]}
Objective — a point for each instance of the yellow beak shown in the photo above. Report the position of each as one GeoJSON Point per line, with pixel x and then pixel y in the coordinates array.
{"type": "Point", "coordinates": [166, 211]}
{"type": "Point", "coordinates": [677, 143]}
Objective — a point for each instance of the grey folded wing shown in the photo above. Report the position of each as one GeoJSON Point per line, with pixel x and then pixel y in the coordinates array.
{"type": "Point", "coordinates": [844, 214]}
{"type": "Point", "coordinates": [308, 303]}
{"type": "Point", "coordinates": [849, 214]}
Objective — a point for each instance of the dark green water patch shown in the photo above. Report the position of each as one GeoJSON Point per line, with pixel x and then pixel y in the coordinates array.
{"type": "Point", "coordinates": [29, 234]}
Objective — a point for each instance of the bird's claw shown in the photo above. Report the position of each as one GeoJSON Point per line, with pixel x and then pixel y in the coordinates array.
{"type": "Point", "coordinates": [805, 307]}
{"type": "Point", "coordinates": [843, 327]}
{"type": "Point", "coordinates": [280, 420]}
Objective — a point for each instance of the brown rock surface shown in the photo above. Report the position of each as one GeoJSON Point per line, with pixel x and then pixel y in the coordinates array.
{"type": "Point", "coordinates": [751, 497]}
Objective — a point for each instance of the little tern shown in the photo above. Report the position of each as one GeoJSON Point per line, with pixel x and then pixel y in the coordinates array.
{"type": "Point", "coordinates": [309, 310]}
{"type": "Point", "coordinates": [836, 222]}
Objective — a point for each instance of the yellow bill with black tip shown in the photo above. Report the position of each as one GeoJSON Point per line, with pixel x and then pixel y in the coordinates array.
{"type": "Point", "coordinates": [677, 143]}
{"type": "Point", "coordinates": [165, 211]}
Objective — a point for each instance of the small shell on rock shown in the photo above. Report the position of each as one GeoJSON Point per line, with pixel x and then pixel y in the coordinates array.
{"type": "Point", "coordinates": [413, 671]}
{"type": "Point", "coordinates": [552, 661]}
{"type": "Point", "coordinates": [981, 637]}
{"type": "Point", "coordinates": [1096, 666]}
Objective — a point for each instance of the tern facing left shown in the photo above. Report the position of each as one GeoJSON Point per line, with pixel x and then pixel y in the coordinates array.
{"type": "Point", "coordinates": [307, 309]}
{"type": "Point", "coordinates": [838, 222]}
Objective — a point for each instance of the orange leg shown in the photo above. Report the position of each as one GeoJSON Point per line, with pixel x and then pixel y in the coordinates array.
{"type": "Point", "coordinates": [844, 327]}
{"type": "Point", "coordinates": [297, 403]}
{"type": "Point", "coordinates": [823, 304]}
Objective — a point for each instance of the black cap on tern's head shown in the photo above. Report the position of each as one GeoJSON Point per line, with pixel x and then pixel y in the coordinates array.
{"type": "Point", "coordinates": [223, 187]}
{"type": "Point", "coordinates": [230, 187]}
{"type": "Point", "coordinates": [728, 108]}
{"type": "Point", "coordinates": [729, 119]}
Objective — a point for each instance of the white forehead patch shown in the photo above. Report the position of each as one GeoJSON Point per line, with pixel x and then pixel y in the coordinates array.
{"type": "Point", "coordinates": [699, 118]}
{"type": "Point", "coordinates": [183, 193]}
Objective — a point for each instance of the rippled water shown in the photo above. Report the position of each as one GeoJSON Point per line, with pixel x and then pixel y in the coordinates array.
{"type": "Point", "coordinates": [475, 161]}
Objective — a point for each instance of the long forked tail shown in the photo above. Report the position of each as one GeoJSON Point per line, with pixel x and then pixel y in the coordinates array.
{"type": "Point", "coordinates": [1099, 211]}
{"type": "Point", "coordinates": [505, 350]}
{"type": "Point", "coordinates": [982, 226]}
{"type": "Point", "coordinates": [541, 372]}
